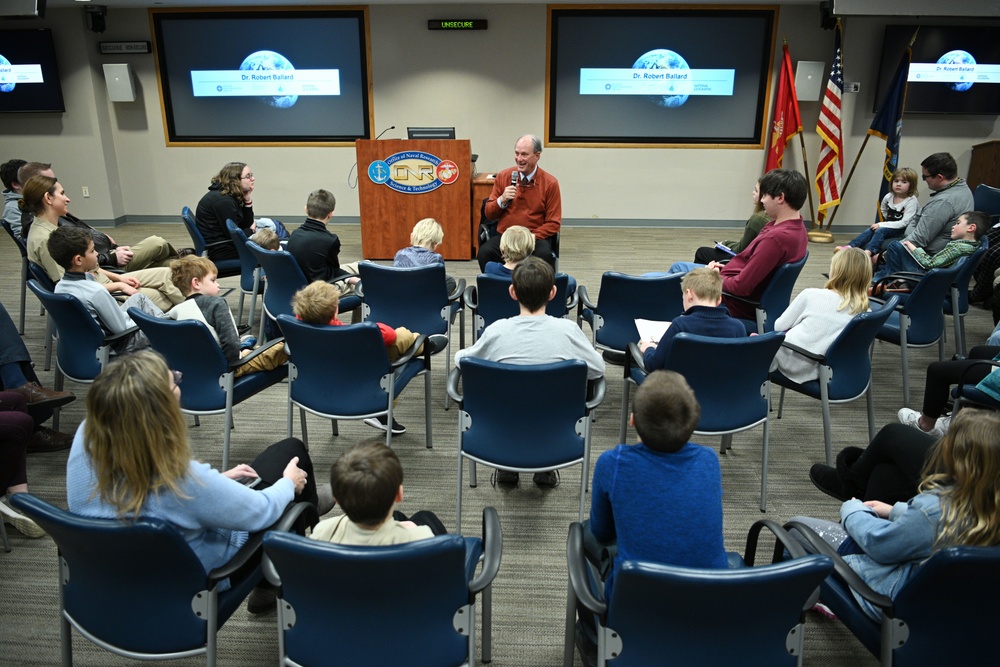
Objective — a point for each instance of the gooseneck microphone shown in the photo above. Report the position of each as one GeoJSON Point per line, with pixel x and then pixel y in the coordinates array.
{"type": "Point", "coordinates": [391, 127]}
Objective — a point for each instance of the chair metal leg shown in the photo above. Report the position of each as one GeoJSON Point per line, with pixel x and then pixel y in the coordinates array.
{"type": "Point", "coordinates": [781, 402]}
{"type": "Point", "coordinates": [960, 335]}
{"type": "Point", "coordinates": [24, 290]}
{"type": "Point", "coordinates": [487, 640]}
{"type": "Point", "coordinates": [904, 322]}
{"type": "Point", "coordinates": [870, 399]}
{"type": "Point", "coordinates": [824, 399]}
{"type": "Point", "coordinates": [458, 505]}
{"type": "Point", "coordinates": [623, 427]}
{"type": "Point", "coordinates": [428, 423]}
{"type": "Point", "coordinates": [50, 331]}
{"type": "Point", "coordinates": [569, 637]}
{"type": "Point", "coordinates": [305, 434]}
{"type": "Point", "coordinates": [3, 537]}
{"type": "Point", "coordinates": [763, 467]}
{"type": "Point", "coordinates": [239, 307]}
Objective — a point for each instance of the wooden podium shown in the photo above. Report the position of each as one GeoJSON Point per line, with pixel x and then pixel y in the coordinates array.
{"type": "Point", "coordinates": [407, 172]}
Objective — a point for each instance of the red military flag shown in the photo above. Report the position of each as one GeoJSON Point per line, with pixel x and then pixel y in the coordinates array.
{"type": "Point", "coordinates": [830, 168]}
{"type": "Point", "coordinates": [787, 121]}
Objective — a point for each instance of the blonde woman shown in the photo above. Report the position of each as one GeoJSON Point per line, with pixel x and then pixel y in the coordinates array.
{"type": "Point", "coordinates": [817, 316]}
{"type": "Point", "coordinates": [956, 505]}
{"type": "Point", "coordinates": [131, 458]}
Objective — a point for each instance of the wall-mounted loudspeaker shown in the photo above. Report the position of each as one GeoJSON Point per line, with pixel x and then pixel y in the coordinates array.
{"type": "Point", "coordinates": [22, 9]}
{"type": "Point", "coordinates": [809, 80]}
{"type": "Point", "coordinates": [121, 85]}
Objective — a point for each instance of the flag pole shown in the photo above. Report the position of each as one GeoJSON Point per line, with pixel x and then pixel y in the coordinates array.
{"type": "Point", "coordinates": [847, 183]}
{"type": "Point", "coordinates": [805, 168]}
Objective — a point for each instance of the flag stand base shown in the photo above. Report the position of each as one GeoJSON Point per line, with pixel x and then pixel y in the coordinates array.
{"type": "Point", "coordinates": [819, 236]}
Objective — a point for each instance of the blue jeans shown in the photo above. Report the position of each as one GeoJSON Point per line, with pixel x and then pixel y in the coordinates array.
{"type": "Point", "coordinates": [897, 259]}
{"type": "Point", "coordinates": [677, 267]}
{"type": "Point", "coordinates": [872, 239]}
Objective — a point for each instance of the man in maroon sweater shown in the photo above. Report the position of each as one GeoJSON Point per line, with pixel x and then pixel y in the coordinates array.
{"type": "Point", "coordinates": [524, 195]}
{"type": "Point", "coordinates": [783, 240]}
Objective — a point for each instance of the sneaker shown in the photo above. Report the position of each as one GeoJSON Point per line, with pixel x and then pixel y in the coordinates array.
{"type": "Point", "coordinates": [941, 426]}
{"type": "Point", "coordinates": [911, 418]}
{"type": "Point", "coordinates": [506, 478]}
{"type": "Point", "coordinates": [248, 341]}
{"type": "Point", "coordinates": [827, 479]}
{"type": "Point", "coordinates": [381, 423]}
{"type": "Point", "coordinates": [437, 342]}
{"type": "Point", "coordinates": [21, 523]}
{"type": "Point", "coordinates": [546, 480]}
{"type": "Point", "coordinates": [262, 600]}
{"type": "Point", "coordinates": [823, 610]}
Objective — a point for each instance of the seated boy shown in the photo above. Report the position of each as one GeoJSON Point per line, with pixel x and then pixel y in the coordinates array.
{"type": "Point", "coordinates": [515, 244]}
{"type": "Point", "coordinates": [266, 239]}
{"type": "Point", "coordinates": [534, 338]}
{"type": "Point", "coordinates": [317, 249]}
{"type": "Point", "coordinates": [73, 249]}
{"type": "Point", "coordinates": [367, 482]}
{"type": "Point", "coordinates": [196, 278]}
{"type": "Point", "coordinates": [965, 235]}
{"type": "Point", "coordinates": [660, 499]}
{"type": "Point", "coordinates": [703, 315]}
{"type": "Point", "coordinates": [426, 237]}
{"type": "Point", "coordinates": [318, 302]}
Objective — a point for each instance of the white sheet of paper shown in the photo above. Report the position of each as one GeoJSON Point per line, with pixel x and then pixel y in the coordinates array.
{"type": "Point", "coordinates": [651, 330]}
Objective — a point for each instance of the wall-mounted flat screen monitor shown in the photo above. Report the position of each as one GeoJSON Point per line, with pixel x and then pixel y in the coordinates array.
{"type": "Point", "coordinates": [263, 77]}
{"type": "Point", "coordinates": [29, 78]}
{"type": "Point", "coordinates": [430, 133]}
{"type": "Point", "coordinates": [954, 69]}
{"type": "Point", "coordinates": [640, 76]}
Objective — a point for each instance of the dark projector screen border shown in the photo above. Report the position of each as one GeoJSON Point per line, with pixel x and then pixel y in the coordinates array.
{"type": "Point", "coordinates": [658, 76]}
{"type": "Point", "coordinates": [263, 77]}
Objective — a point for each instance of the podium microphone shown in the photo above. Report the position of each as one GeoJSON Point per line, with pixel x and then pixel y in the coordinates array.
{"type": "Point", "coordinates": [391, 127]}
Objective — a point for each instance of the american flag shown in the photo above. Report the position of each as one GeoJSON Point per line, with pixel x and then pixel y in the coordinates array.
{"type": "Point", "coordinates": [831, 155]}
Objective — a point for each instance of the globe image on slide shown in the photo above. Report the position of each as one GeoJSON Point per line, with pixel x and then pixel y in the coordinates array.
{"type": "Point", "coordinates": [663, 59]}
{"type": "Point", "coordinates": [6, 86]}
{"type": "Point", "coordinates": [270, 60]}
{"type": "Point", "coordinates": [958, 57]}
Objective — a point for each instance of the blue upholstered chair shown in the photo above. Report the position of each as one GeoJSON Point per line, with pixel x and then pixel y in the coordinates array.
{"type": "Point", "coordinates": [136, 588]}
{"type": "Point", "coordinates": [489, 300]}
{"type": "Point", "coordinates": [622, 300]}
{"type": "Point", "coordinates": [537, 440]}
{"type": "Point", "coordinates": [38, 274]}
{"type": "Point", "coordinates": [226, 267]}
{"type": "Point", "coordinates": [946, 614]}
{"type": "Point", "coordinates": [664, 614]}
{"type": "Point", "coordinates": [251, 275]}
{"type": "Point", "coordinates": [775, 297]}
{"type": "Point", "coordinates": [956, 303]}
{"type": "Point", "coordinates": [845, 370]}
{"type": "Point", "coordinates": [344, 373]}
{"type": "Point", "coordinates": [210, 384]}
{"type": "Point", "coordinates": [23, 250]}
{"type": "Point", "coordinates": [407, 604]}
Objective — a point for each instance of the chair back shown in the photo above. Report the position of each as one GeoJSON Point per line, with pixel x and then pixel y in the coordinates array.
{"type": "Point", "coordinates": [38, 273]}
{"type": "Point", "coordinates": [192, 227]}
{"type": "Point", "coordinates": [81, 339]}
{"type": "Point", "coordinates": [248, 263]}
{"type": "Point", "coordinates": [625, 298]}
{"type": "Point", "coordinates": [18, 241]}
{"type": "Point", "coordinates": [412, 297]}
{"type": "Point", "coordinates": [960, 287]}
{"type": "Point", "coordinates": [728, 375]}
{"type": "Point", "coordinates": [646, 613]}
{"type": "Point", "coordinates": [849, 354]}
{"type": "Point", "coordinates": [190, 348]}
{"type": "Point", "coordinates": [541, 439]}
{"type": "Point", "coordinates": [778, 293]}
{"type": "Point", "coordinates": [386, 605]}
{"type": "Point", "coordinates": [493, 301]}
{"type": "Point", "coordinates": [129, 584]}
{"type": "Point", "coordinates": [342, 371]}
{"type": "Point", "coordinates": [284, 278]}
{"type": "Point", "coordinates": [986, 198]}
{"type": "Point", "coordinates": [923, 305]}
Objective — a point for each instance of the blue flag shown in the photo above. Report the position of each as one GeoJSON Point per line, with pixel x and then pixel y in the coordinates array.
{"type": "Point", "coordinates": [888, 124]}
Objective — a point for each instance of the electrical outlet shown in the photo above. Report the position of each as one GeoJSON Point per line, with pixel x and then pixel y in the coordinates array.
{"type": "Point", "coordinates": [86, 192]}
{"type": "Point", "coordinates": [852, 87]}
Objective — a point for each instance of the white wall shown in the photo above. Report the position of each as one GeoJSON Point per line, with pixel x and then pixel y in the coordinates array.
{"type": "Point", "coordinates": [490, 85]}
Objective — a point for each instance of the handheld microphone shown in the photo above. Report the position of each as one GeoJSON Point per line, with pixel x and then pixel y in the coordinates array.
{"type": "Point", "coordinates": [391, 127]}
{"type": "Point", "coordinates": [513, 178]}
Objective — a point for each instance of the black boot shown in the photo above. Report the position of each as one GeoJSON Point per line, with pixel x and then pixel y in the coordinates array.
{"type": "Point", "coordinates": [854, 487]}
{"type": "Point", "coordinates": [827, 480]}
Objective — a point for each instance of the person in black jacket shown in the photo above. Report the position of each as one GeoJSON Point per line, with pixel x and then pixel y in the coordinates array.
{"type": "Point", "coordinates": [229, 197]}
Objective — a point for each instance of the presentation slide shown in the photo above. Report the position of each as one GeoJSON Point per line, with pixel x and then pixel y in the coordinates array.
{"type": "Point", "coordinates": [264, 76]}
{"type": "Point", "coordinates": [684, 76]}
{"type": "Point", "coordinates": [29, 78]}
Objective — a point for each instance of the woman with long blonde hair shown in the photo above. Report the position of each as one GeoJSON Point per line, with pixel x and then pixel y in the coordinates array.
{"type": "Point", "coordinates": [817, 316]}
{"type": "Point", "coordinates": [958, 504]}
{"type": "Point", "coordinates": [131, 458]}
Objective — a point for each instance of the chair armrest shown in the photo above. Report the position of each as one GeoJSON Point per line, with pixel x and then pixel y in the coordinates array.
{"type": "Point", "coordinates": [576, 563]}
{"type": "Point", "coordinates": [410, 353]}
{"type": "Point", "coordinates": [840, 566]}
{"type": "Point", "coordinates": [492, 551]}
{"type": "Point", "coordinates": [571, 301]}
{"type": "Point", "coordinates": [821, 358]}
{"type": "Point", "coordinates": [634, 357]}
{"type": "Point", "coordinates": [742, 299]}
{"type": "Point", "coordinates": [584, 298]}
{"type": "Point", "coordinates": [782, 541]}
{"type": "Point", "coordinates": [453, 379]}
{"type": "Point", "coordinates": [215, 243]}
{"type": "Point", "coordinates": [972, 366]}
{"type": "Point", "coordinates": [596, 389]}
{"type": "Point", "coordinates": [294, 514]}
{"type": "Point", "coordinates": [110, 338]}
{"type": "Point", "coordinates": [260, 350]}
{"type": "Point", "coordinates": [906, 276]}
{"type": "Point", "coordinates": [471, 297]}
{"type": "Point", "coordinates": [459, 290]}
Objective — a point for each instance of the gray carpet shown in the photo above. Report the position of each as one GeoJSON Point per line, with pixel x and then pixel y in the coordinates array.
{"type": "Point", "coordinates": [530, 588]}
